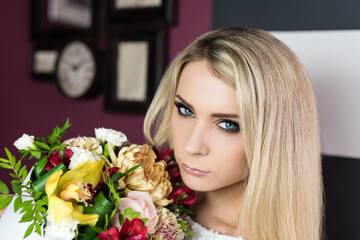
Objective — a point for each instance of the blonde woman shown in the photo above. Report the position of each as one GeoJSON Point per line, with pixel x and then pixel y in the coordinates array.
{"type": "Point", "coordinates": [238, 109]}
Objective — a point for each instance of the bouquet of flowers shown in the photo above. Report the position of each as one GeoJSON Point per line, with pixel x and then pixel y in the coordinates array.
{"type": "Point", "coordinates": [98, 187]}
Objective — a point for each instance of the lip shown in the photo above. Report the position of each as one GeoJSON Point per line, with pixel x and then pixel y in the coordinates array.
{"type": "Point", "coordinates": [193, 171]}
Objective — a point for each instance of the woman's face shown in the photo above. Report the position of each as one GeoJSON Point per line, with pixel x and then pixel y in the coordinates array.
{"type": "Point", "coordinates": [205, 130]}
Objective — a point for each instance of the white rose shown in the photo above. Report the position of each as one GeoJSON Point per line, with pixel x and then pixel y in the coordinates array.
{"type": "Point", "coordinates": [116, 138]}
{"type": "Point", "coordinates": [25, 142]}
{"type": "Point", "coordinates": [63, 230]}
{"type": "Point", "coordinates": [82, 155]}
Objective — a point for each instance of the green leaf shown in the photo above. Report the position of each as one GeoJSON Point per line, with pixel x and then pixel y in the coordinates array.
{"type": "Point", "coordinates": [102, 206]}
{"type": "Point", "coordinates": [38, 195]}
{"type": "Point", "coordinates": [8, 154]}
{"type": "Point", "coordinates": [189, 233]}
{"type": "Point", "coordinates": [28, 216]}
{"type": "Point", "coordinates": [16, 188]}
{"type": "Point", "coordinates": [112, 214]}
{"type": "Point", "coordinates": [184, 210]}
{"type": "Point", "coordinates": [39, 218]}
{"type": "Point", "coordinates": [13, 175]}
{"type": "Point", "coordinates": [97, 229]}
{"type": "Point", "coordinates": [40, 166]}
{"type": "Point", "coordinates": [134, 215]}
{"type": "Point", "coordinates": [17, 166]}
{"type": "Point", "coordinates": [145, 220]}
{"type": "Point", "coordinates": [22, 170]}
{"type": "Point", "coordinates": [26, 204]}
{"type": "Point", "coordinates": [5, 201]}
{"type": "Point", "coordinates": [59, 147]}
{"type": "Point", "coordinates": [24, 175]}
{"type": "Point", "coordinates": [4, 160]}
{"type": "Point", "coordinates": [16, 181]}
{"type": "Point", "coordinates": [27, 208]}
{"type": "Point", "coordinates": [42, 145]}
{"type": "Point", "coordinates": [40, 203]}
{"type": "Point", "coordinates": [17, 203]}
{"type": "Point", "coordinates": [5, 165]}
{"type": "Point", "coordinates": [35, 153]}
{"type": "Point", "coordinates": [38, 228]}
{"type": "Point", "coordinates": [41, 209]}
{"type": "Point", "coordinates": [183, 227]}
{"type": "Point", "coordinates": [3, 188]}
{"type": "Point", "coordinates": [39, 184]}
{"type": "Point", "coordinates": [121, 219]}
{"type": "Point", "coordinates": [128, 211]}
{"type": "Point", "coordinates": [57, 134]}
{"type": "Point", "coordinates": [29, 230]}
{"type": "Point", "coordinates": [182, 222]}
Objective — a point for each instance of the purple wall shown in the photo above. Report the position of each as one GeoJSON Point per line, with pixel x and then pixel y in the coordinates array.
{"type": "Point", "coordinates": [34, 107]}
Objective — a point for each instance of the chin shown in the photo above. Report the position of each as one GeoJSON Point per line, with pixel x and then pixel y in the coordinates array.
{"type": "Point", "coordinates": [197, 184]}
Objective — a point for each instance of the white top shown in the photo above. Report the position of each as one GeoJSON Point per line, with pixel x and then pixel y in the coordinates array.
{"type": "Point", "coordinates": [202, 233]}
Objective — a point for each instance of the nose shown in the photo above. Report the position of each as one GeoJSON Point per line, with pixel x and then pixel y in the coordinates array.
{"type": "Point", "coordinates": [197, 141]}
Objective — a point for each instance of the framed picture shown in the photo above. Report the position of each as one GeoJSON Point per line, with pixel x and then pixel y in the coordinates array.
{"type": "Point", "coordinates": [43, 61]}
{"type": "Point", "coordinates": [64, 18]}
{"type": "Point", "coordinates": [136, 62]}
{"type": "Point", "coordinates": [159, 11]}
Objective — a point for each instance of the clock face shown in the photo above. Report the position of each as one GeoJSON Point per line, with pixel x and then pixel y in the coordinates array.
{"type": "Point", "coordinates": [76, 69]}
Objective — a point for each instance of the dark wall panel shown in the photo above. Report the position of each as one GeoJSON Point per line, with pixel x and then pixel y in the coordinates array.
{"type": "Point", "coordinates": [342, 197]}
{"type": "Point", "coordinates": [287, 14]}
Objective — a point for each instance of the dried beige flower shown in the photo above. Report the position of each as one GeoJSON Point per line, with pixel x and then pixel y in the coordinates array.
{"type": "Point", "coordinates": [89, 143]}
{"type": "Point", "coordinates": [167, 226]}
{"type": "Point", "coordinates": [151, 177]}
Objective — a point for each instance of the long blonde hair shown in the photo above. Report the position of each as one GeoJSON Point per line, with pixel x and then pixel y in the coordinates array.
{"type": "Point", "coordinates": [279, 127]}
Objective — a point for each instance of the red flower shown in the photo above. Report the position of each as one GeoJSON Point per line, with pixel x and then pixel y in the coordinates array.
{"type": "Point", "coordinates": [174, 172]}
{"type": "Point", "coordinates": [134, 230]}
{"type": "Point", "coordinates": [112, 234]}
{"type": "Point", "coordinates": [57, 157]}
{"type": "Point", "coordinates": [184, 195]}
{"type": "Point", "coordinates": [166, 154]}
{"type": "Point", "coordinates": [112, 170]}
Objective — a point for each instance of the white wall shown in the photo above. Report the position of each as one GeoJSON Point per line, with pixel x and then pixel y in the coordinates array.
{"type": "Point", "coordinates": [332, 59]}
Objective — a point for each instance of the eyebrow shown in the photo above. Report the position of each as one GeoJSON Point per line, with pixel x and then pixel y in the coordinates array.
{"type": "Point", "coordinates": [217, 115]}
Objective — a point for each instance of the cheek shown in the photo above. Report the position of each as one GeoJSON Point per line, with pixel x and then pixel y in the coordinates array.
{"type": "Point", "coordinates": [175, 130]}
{"type": "Point", "coordinates": [230, 157]}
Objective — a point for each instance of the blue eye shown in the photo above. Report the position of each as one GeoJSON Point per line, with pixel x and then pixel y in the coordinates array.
{"type": "Point", "coordinates": [229, 126]}
{"type": "Point", "coordinates": [185, 111]}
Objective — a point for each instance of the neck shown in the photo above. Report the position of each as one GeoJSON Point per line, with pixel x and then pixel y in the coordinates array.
{"type": "Point", "coordinates": [220, 209]}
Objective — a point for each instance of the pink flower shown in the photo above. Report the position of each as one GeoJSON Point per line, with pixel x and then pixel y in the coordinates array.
{"type": "Point", "coordinates": [57, 157]}
{"type": "Point", "coordinates": [112, 234]}
{"type": "Point", "coordinates": [139, 202]}
{"type": "Point", "coordinates": [184, 195]}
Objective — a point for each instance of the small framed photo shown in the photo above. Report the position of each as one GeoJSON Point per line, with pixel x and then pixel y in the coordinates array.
{"type": "Point", "coordinates": [136, 61]}
{"type": "Point", "coordinates": [159, 11]}
{"type": "Point", "coordinates": [43, 61]}
{"type": "Point", "coordinates": [64, 18]}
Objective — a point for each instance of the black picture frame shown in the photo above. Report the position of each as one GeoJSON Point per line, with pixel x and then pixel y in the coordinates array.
{"type": "Point", "coordinates": [42, 28]}
{"type": "Point", "coordinates": [163, 13]}
{"type": "Point", "coordinates": [121, 92]}
{"type": "Point", "coordinates": [44, 57]}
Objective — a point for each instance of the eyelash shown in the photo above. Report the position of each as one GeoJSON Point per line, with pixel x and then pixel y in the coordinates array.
{"type": "Point", "coordinates": [236, 129]}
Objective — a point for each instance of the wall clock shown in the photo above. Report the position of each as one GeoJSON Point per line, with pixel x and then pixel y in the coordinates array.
{"type": "Point", "coordinates": [78, 71]}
